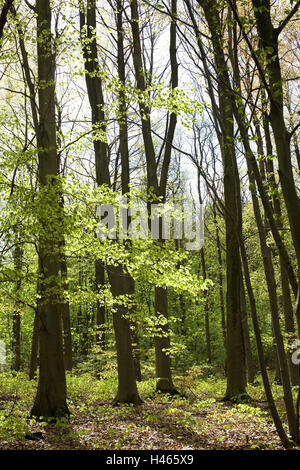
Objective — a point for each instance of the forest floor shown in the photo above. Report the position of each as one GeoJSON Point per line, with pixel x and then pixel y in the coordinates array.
{"type": "Point", "coordinates": [198, 421]}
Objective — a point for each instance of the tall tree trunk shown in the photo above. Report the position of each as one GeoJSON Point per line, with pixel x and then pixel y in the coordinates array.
{"type": "Point", "coordinates": [286, 294]}
{"type": "Point", "coordinates": [206, 310]}
{"type": "Point", "coordinates": [245, 326]}
{"type": "Point", "coordinates": [100, 312]}
{"type": "Point", "coordinates": [272, 79]}
{"type": "Point", "coordinates": [236, 372]}
{"type": "Point", "coordinates": [63, 266]}
{"type": "Point", "coordinates": [83, 316]}
{"type": "Point", "coordinates": [268, 267]}
{"type": "Point", "coordinates": [127, 388]}
{"type": "Point", "coordinates": [282, 141]}
{"type": "Point", "coordinates": [267, 387]}
{"type": "Point", "coordinates": [162, 343]}
{"type": "Point", "coordinates": [125, 173]}
{"type": "Point", "coordinates": [50, 400]}
{"type": "Point", "coordinates": [271, 286]}
{"type": "Point", "coordinates": [16, 333]}
{"type": "Point", "coordinates": [65, 308]}
{"type": "Point", "coordinates": [206, 304]}
{"type": "Point", "coordinates": [36, 330]}
{"type": "Point", "coordinates": [220, 276]}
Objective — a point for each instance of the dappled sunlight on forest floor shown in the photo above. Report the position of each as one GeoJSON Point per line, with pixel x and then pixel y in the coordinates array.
{"type": "Point", "coordinates": [196, 421]}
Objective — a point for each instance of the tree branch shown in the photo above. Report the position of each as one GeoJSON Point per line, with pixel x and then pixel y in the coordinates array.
{"type": "Point", "coordinates": [254, 56]}
{"type": "Point", "coordinates": [3, 16]}
{"type": "Point", "coordinates": [283, 24]}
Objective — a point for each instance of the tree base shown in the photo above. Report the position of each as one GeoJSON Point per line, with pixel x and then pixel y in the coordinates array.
{"type": "Point", "coordinates": [40, 413]}
{"type": "Point", "coordinates": [239, 397]}
{"type": "Point", "coordinates": [166, 388]}
{"type": "Point", "coordinates": [130, 400]}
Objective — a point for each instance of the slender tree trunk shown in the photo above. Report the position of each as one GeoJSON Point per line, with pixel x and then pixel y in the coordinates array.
{"type": "Point", "coordinates": [245, 326]}
{"type": "Point", "coordinates": [100, 313]}
{"type": "Point", "coordinates": [163, 363]}
{"type": "Point", "coordinates": [3, 16]}
{"type": "Point", "coordinates": [236, 373]}
{"type": "Point", "coordinates": [127, 388]}
{"type": "Point", "coordinates": [83, 320]}
{"type": "Point", "coordinates": [67, 336]}
{"type": "Point", "coordinates": [267, 387]}
{"type": "Point", "coordinates": [269, 271]}
{"type": "Point", "coordinates": [273, 82]}
{"type": "Point", "coordinates": [136, 351]}
{"type": "Point", "coordinates": [289, 323]}
{"type": "Point", "coordinates": [16, 336]}
{"type": "Point", "coordinates": [182, 308]}
{"type": "Point", "coordinates": [220, 276]}
{"type": "Point", "coordinates": [206, 310]}
{"type": "Point", "coordinates": [65, 307]}
{"type": "Point", "coordinates": [205, 294]}
{"type": "Point", "coordinates": [125, 173]}
{"type": "Point", "coordinates": [36, 331]}
{"type": "Point", "coordinates": [286, 294]}
{"type": "Point", "coordinates": [271, 285]}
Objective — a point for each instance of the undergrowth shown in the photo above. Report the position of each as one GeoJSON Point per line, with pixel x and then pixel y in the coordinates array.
{"type": "Point", "coordinates": [195, 411]}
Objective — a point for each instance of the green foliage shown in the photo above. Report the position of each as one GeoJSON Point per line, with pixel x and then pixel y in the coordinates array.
{"type": "Point", "coordinates": [94, 422]}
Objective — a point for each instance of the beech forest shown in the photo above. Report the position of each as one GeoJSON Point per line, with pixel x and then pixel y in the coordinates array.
{"type": "Point", "coordinates": [149, 227]}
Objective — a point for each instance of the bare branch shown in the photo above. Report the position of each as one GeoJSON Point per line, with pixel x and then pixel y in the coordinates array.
{"type": "Point", "coordinates": [287, 18]}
